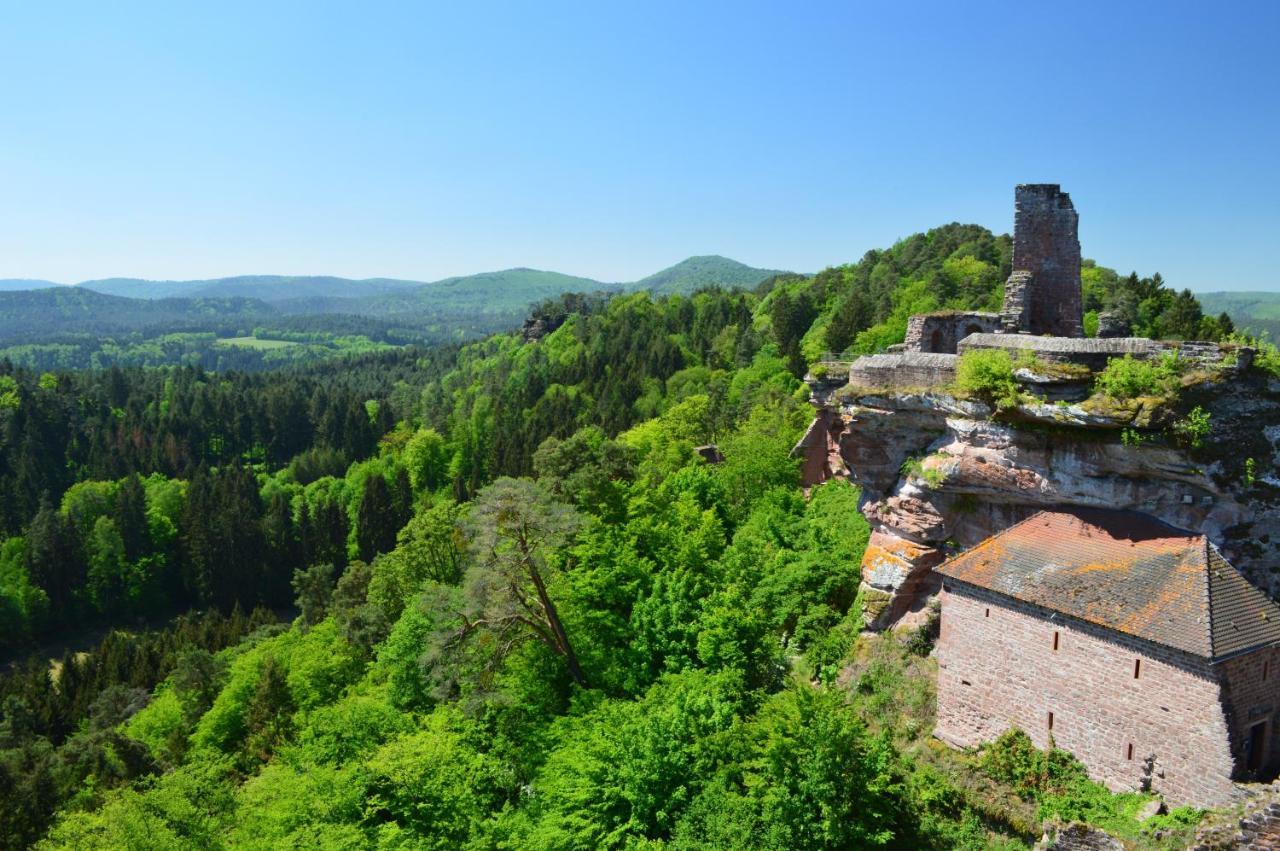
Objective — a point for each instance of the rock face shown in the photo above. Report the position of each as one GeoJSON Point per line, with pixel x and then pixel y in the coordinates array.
{"type": "Point", "coordinates": [940, 474]}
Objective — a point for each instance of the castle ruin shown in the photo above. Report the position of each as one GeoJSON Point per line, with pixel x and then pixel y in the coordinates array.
{"type": "Point", "coordinates": [1043, 295]}
{"type": "Point", "coordinates": [1077, 617]}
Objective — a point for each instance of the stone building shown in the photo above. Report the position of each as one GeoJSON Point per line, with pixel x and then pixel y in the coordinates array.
{"type": "Point", "coordinates": [1043, 295]}
{"type": "Point", "coordinates": [1129, 643]}
{"type": "Point", "coordinates": [941, 332]}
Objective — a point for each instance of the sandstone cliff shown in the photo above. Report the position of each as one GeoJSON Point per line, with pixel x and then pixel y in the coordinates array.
{"type": "Point", "coordinates": [940, 473]}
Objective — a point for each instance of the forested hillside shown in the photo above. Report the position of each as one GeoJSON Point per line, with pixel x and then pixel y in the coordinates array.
{"type": "Point", "coordinates": [267, 321]}
{"type": "Point", "coordinates": [529, 613]}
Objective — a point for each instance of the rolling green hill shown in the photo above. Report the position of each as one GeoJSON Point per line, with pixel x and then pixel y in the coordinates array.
{"type": "Point", "coordinates": [506, 293]}
{"type": "Point", "coordinates": [708, 270]}
{"type": "Point", "coordinates": [32, 314]}
{"type": "Point", "coordinates": [1255, 311]}
{"type": "Point", "coordinates": [269, 288]}
{"type": "Point", "coordinates": [450, 309]}
{"type": "Point", "coordinates": [490, 291]}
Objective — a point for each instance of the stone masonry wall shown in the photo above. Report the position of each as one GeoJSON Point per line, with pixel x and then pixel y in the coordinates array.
{"type": "Point", "coordinates": [1044, 295]}
{"type": "Point", "coordinates": [905, 369]}
{"type": "Point", "coordinates": [997, 668]}
{"type": "Point", "coordinates": [1252, 687]}
{"type": "Point", "coordinates": [1096, 352]}
{"type": "Point", "coordinates": [941, 332]}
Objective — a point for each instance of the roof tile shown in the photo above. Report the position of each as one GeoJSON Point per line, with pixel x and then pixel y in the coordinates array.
{"type": "Point", "coordinates": [1128, 572]}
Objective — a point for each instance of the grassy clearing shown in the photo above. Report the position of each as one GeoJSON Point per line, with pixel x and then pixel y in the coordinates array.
{"type": "Point", "coordinates": [254, 343]}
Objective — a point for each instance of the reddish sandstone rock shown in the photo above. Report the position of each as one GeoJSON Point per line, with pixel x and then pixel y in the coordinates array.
{"type": "Point", "coordinates": [898, 574]}
{"type": "Point", "coordinates": [909, 517]}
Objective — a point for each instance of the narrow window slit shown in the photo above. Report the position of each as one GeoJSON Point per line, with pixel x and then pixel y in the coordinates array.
{"type": "Point", "coordinates": [1051, 722]}
{"type": "Point", "coordinates": [1137, 667]}
{"type": "Point", "coordinates": [1055, 639]}
{"type": "Point", "coordinates": [1129, 752]}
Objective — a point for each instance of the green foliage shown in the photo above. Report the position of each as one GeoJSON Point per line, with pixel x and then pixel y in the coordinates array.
{"type": "Point", "coordinates": [865, 306]}
{"type": "Point", "coordinates": [1150, 308]}
{"type": "Point", "coordinates": [1015, 760]}
{"type": "Point", "coordinates": [1132, 437]}
{"type": "Point", "coordinates": [914, 468]}
{"type": "Point", "coordinates": [987, 374]}
{"type": "Point", "coordinates": [402, 658]}
{"type": "Point", "coordinates": [1194, 427]}
{"type": "Point", "coordinates": [586, 469]}
{"type": "Point", "coordinates": [639, 648]}
{"type": "Point", "coordinates": [625, 771]}
{"type": "Point", "coordinates": [352, 728]}
{"type": "Point", "coordinates": [1061, 788]}
{"type": "Point", "coordinates": [1091, 323]}
{"type": "Point", "coordinates": [811, 777]}
{"type": "Point", "coordinates": [426, 459]}
{"type": "Point", "coordinates": [434, 784]}
{"type": "Point", "coordinates": [9, 398]}
{"type": "Point", "coordinates": [1267, 357]}
{"type": "Point", "coordinates": [313, 590]}
{"type": "Point", "coordinates": [1129, 377]}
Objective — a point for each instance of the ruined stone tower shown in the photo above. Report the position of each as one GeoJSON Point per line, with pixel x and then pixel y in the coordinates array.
{"type": "Point", "coordinates": [1042, 296]}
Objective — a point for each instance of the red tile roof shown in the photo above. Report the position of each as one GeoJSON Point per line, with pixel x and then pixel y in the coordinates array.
{"type": "Point", "coordinates": [1127, 572]}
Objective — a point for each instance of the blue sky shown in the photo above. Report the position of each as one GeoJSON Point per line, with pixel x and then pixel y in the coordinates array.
{"type": "Point", "coordinates": [419, 140]}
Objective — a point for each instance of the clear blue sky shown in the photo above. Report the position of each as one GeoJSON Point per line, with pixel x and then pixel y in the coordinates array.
{"type": "Point", "coordinates": [420, 140]}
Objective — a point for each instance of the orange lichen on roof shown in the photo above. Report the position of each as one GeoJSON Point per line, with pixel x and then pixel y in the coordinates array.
{"type": "Point", "coordinates": [1128, 572]}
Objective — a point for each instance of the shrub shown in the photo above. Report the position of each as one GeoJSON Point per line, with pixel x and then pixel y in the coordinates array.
{"type": "Point", "coordinates": [1015, 760]}
{"type": "Point", "coordinates": [1132, 437]}
{"type": "Point", "coordinates": [913, 468]}
{"type": "Point", "coordinates": [1059, 785]}
{"type": "Point", "coordinates": [987, 374]}
{"type": "Point", "coordinates": [1129, 378]}
{"type": "Point", "coordinates": [1194, 427]}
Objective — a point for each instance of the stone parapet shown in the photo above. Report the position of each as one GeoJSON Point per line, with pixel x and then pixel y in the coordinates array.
{"type": "Point", "coordinates": [905, 369]}
{"type": "Point", "coordinates": [1094, 352]}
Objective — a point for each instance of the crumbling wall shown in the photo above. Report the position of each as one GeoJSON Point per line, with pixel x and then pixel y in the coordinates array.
{"type": "Point", "coordinates": [1043, 294]}
{"type": "Point", "coordinates": [1090, 352]}
{"type": "Point", "coordinates": [939, 333]}
{"type": "Point", "coordinates": [1095, 352]}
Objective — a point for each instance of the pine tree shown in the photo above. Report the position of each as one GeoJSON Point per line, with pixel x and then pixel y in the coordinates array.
{"type": "Point", "coordinates": [377, 520]}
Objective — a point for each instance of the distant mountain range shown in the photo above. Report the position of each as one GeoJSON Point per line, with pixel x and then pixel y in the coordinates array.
{"type": "Point", "coordinates": [473, 304]}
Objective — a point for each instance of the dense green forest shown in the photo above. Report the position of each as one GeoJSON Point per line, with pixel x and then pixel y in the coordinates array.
{"type": "Point", "coordinates": [525, 611]}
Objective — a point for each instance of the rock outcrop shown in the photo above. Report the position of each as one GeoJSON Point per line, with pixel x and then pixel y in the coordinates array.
{"type": "Point", "coordinates": [940, 474]}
